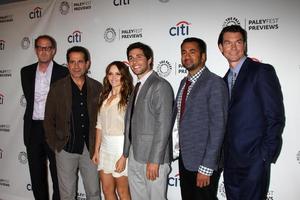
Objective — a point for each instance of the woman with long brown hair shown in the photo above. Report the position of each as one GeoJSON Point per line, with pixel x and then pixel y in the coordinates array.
{"type": "Point", "coordinates": [117, 86]}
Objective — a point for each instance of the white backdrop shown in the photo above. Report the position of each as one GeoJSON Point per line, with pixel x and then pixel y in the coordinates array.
{"type": "Point", "coordinates": [107, 27]}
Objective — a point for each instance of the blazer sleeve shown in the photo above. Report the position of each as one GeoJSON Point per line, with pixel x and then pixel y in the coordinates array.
{"type": "Point", "coordinates": [217, 118]}
{"type": "Point", "coordinates": [270, 95]}
{"type": "Point", "coordinates": [162, 104]}
{"type": "Point", "coordinates": [50, 119]}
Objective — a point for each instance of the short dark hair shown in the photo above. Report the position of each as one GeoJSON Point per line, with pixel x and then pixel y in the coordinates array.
{"type": "Point", "coordinates": [145, 48]}
{"type": "Point", "coordinates": [79, 49]}
{"type": "Point", "coordinates": [233, 29]}
{"type": "Point", "coordinates": [47, 37]}
{"type": "Point", "coordinates": [200, 42]}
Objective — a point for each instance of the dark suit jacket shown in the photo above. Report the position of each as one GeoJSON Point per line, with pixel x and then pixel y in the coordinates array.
{"type": "Point", "coordinates": [58, 112]}
{"type": "Point", "coordinates": [256, 115]}
{"type": "Point", "coordinates": [28, 85]}
{"type": "Point", "coordinates": [203, 123]}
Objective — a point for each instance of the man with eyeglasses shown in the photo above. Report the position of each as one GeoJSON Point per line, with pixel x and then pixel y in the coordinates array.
{"type": "Point", "coordinates": [36, 80]}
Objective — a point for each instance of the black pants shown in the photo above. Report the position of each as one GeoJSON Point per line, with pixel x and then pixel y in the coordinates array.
{"type": "Point", "coordinates": [38, 152]}
{"type": "Point", "coordinates": [189, 189]}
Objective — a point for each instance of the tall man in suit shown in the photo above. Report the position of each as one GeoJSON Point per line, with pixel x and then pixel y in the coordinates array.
{"type": "Point", "coordinates": [255, 119]}
{"type": "Point", "coordinates": [200, 115]}
{"type": "Point", "coordinates": [36, 80]}
{"type": "Point", "coordinates": [147, 128]}
{"type": "Point", "coordinates": [70, 121]}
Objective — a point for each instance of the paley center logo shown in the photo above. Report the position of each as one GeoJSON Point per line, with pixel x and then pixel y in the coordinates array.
{"type": "Point", "coordinates": [164, 1]}
{"type": "Point", "coordinates": [36, 13]}
{"type": "Point", "coordinates": [23, 101]}
{"type": "Point", "coordinates": [1, 98]}
{"type": "Point", "coordinates": [65, 6]}
{"type": "Point", "coordinates": [231, 21]}
{"type": "Point", "coordinates": [298, 157]}
{"type": "Point", "coordinates": [110, 34]}
{"type": "Point", "coordinates": [120, 2]}
{"type": "Point", "coordinates": [2, 45]}
{"type": "Point", "coordinates": [75, 37]}
{"type": "Point", "coordinates": [181, 28]}
{"type": "Point", "coordinates": [22, 157]}
{"type": "Point", "coordinates": [25, 43]}
{"type": "Point", "coordinates": [164, 68]}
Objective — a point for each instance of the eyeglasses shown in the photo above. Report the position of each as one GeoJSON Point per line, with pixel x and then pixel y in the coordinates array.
{"type": "Point", "coordinates": [40, 48]}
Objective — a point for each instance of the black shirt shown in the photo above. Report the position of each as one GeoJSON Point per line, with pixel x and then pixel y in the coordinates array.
{"type": "Point", "coordinates": [79, 133]}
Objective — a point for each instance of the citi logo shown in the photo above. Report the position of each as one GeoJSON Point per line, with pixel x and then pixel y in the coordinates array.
{"type": "Point", "coordinates": [174, 181]}
{"type": "Point", "coordinates": [181, 28]}
{"type": "Point", "coordinates": [75, 37]}
{"type": "Point", "coordinates": [2, 45]}
{"type": "Point", "coordinates": [36, 13]}
{"type": "Point", "coordinates": [121, 2]}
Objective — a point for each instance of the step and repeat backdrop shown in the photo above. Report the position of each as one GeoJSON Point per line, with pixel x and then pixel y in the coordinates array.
{"type": "Point", "coordinates": [107, 27]}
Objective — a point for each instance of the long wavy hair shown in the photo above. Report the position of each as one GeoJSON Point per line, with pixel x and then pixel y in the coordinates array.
{"type": "Point", "coordinates": [126, 84]}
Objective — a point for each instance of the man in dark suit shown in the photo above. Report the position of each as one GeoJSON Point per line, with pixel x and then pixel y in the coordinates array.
{"type": "Point", "coordinates": [200, 115]}
{"type": "Point", "coordinates": [147, 128]}
{"type": "Point", "coordinates": [36, 80]}
{"type": "Point", "coordinates": [255, 119]}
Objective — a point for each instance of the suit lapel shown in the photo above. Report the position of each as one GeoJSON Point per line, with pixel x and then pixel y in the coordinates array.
{"type": "Point", "coordinates": [196, 86]}
{"type": "Point", "coordinates": [54, 72]}
{"type": "Point", "coordinates": [31, 77]}
{"type": "Point", "coordinates": [239, 81]}
{"type": "Point", "coordinates": [145, 87]}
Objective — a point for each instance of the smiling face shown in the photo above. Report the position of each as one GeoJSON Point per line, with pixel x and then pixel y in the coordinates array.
{"type": "Point", "coordinates": [191, 57]}
{"type": "Point", "coordinates": [138, 62]}
{"type": "Point", "coordinates": [114, 77]}
{"type": "Point", "coordinates": [233, 47]}
{"type": "Point", "coordinates": [77, 65]}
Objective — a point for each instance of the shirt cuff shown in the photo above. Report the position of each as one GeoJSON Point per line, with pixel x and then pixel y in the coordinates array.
{"type": "Point", "coordinates": [206, 171]}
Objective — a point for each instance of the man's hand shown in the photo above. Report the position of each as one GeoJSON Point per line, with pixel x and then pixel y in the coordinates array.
{"type": "Point", "coordinates": [202, 180]}
{"type": "Point", "coordinates": [152, 171]}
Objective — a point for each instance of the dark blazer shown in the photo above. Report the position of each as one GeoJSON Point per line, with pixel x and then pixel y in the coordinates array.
{"type": "Point", "coordinates": [58, 112]}
{"type": "Point", "coordinates": [203, 123]}
{"type": "Point", "coordinates": [256, 115]}
{"type": "Point", "coordinates": [151, 122]}
{"type": "Point", "coordinates": [28, 85]}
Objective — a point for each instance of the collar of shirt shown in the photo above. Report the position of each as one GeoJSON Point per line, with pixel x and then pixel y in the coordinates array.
{"type": "Point", "coordinates": [144, 78]}
{"type": "Point", "coordinates": [142, 81]}
{"type": "Point", "coordinates": [237, 68]}
{"type": "Point", "coordinates": [48, 72]}
{"type": "Point", "coordinates": [195, 77]}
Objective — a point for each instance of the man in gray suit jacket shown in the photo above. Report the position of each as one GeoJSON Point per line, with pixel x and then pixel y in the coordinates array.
{"type": "Point", "coordinates": [200, 115]}
{"type": "Point", "coordinates": [147, 128]}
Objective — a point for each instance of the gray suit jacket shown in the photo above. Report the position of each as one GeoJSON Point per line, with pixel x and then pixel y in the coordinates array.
{"type": "Point", "coordinates": [151, 122]}
{"type": "Point", "coordinates": [203, 123]}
